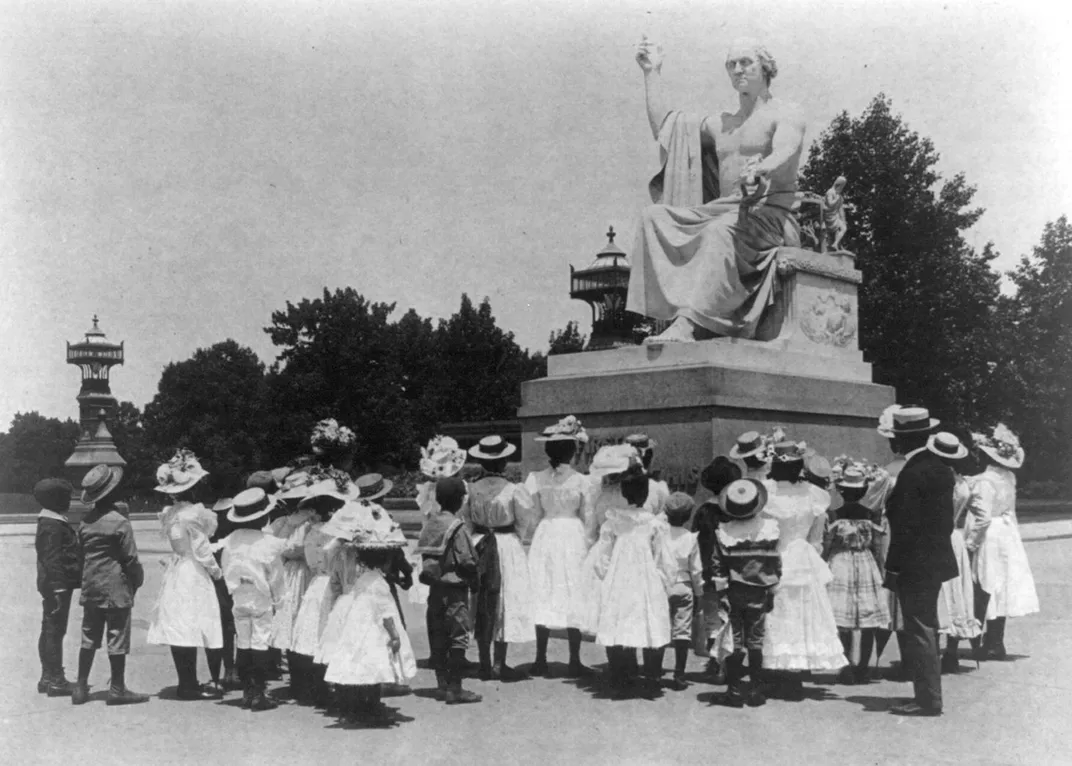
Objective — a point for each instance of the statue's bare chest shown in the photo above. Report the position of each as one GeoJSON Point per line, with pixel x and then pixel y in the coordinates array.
{"type": "Point", "coordinates": [734, 136]}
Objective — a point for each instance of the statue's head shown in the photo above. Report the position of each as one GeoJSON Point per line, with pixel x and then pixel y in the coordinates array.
{"type": "Point", "coordinates": [839, 184]}
{"type": "Point", "coordinates": [749, 62]}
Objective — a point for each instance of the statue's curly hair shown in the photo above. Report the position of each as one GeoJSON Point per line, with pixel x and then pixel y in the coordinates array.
{"type": "Point", "coordinates": [766, 60]}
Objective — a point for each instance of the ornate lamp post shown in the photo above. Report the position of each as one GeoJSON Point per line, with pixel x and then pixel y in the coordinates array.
{"type": "Point", "coordinates": [603, 285]}
{"type": "Point", "coordinates": [95, 356]}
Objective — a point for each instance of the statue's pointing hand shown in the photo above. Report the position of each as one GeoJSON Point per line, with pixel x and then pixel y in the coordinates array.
{"type": "Point", "coordinates": [649, 55]}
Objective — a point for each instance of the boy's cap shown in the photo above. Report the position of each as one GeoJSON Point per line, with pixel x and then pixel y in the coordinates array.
{"type": "Point", "coordinates": [53, 494]}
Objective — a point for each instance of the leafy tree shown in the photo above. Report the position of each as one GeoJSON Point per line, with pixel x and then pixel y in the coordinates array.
{"type": "Point", "coordinates": [340, 358]}
{"type": "Point", "coordinates": [481, 366]}
{"type": "Point", "coordinates": [133, 445]}
{"type": "Point", "coordinates": [1037, 363]}
{"type": "Point", "coordinates": [928, 302]}
{"type": "Point", "coordinates": [567, 341]}
{"type": "Point", "coordinates": [34, 448]}
{"type": "Point", "coordinates": [213, 404]}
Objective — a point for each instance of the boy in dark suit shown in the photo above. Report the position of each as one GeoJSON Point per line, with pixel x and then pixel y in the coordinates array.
{"type": "Point", "coordinates": [59, 573]}
{"type": "Point", "coordinates": [920, 558]}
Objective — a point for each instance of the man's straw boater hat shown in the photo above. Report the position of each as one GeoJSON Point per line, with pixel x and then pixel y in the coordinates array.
{"type": "Point", "coordinates": [1002, 445]}
{"type": "Point", "coordinates": [947, 445]}
{"type": "Point", "coordinates": [442, 457]}
{"type": "Point", "coordinates": [180, 473]}
{"type": "Point", "coordinates": [749, 444]}
{"type": "Point", "coordinates": [492, 448]}
{"type": "Point", "coordinates": [742, 499]}
{"type": "Point", "coordinates": [372, 486]}
{"type": "Point", "coordinates": [100, 481]}
{"type": "Point", "coordinates": [913, 420]}
{"type": "Point", "coordinates": [567, 429]}
{"type": "Point", "coordinates": [250, 505]}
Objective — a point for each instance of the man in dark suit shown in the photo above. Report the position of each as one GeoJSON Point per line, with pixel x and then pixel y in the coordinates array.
{"type": "Point", "coordinates": [920, 559]}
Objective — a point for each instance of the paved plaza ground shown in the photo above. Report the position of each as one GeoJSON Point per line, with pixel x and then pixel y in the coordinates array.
{"type": "Point", "coordinates": [1017, 712]}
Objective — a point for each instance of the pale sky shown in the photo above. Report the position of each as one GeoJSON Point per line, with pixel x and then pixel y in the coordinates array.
{"type": "Point", "coordinates": [184, 169]}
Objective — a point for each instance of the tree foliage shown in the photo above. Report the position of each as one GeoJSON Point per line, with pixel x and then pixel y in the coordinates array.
{"type": "Point", "coordinates": [1037, 358]}
{"type": "Point", "coordinates": [568, 340]}
{"type": "Point", "coordinates": [35, 447]}
{"type": "Point", "coordinates": [928, 303]}
{"type": "Point", "coordinates": [213, 404]}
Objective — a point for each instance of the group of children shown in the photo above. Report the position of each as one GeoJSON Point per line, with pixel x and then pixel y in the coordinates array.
{"type": "Point", "coordinates": [772, 570]}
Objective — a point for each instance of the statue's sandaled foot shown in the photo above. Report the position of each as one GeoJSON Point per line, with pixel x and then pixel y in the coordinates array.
{"type": "Point", "coordinates": [680, 331]}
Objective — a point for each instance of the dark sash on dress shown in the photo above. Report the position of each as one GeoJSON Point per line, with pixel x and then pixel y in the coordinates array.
{"type": "Point", "coordinates": [489, 589]}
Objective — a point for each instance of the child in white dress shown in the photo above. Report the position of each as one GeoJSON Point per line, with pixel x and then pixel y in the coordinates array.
{"type": "Point", "coordinates": [560, 498]}
{"type": "Point", "coordinates": [371, 647]}
{"type": "Point", "coordinates": [253, 570]}
{"type": "Point", "coordinates": [635, 565]}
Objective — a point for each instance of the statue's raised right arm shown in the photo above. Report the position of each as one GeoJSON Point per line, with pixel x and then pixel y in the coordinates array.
{"type": "Point", "coordinates": [650, 58]}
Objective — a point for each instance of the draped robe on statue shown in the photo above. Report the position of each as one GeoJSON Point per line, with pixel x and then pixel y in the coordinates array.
{"type": "Point", "coordinates": [699, 255]}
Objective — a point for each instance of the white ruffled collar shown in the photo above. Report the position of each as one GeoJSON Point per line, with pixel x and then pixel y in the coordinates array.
{"type": "Point", "coordinates": [756, 529]}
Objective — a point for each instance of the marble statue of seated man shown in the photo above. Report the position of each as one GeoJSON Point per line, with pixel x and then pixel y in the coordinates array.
{"type": "Point", "coordinates": [706, 249]}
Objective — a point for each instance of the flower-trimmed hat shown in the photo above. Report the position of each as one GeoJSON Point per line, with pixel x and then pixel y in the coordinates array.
{"type": "Point", "coordinates": [947, 445]}
{"type": "Point", "coordinates": [1002, 445]}
{"type": "Point", "coordinates": [372, 486]}
{"type": "Point", "coordinates": [492, 448]}
{"type": "Point", "coordinates": [442, 457]}
{"type": "Point", "coordinates": [913, 420]}
{"type": "Point", "coordinates": [614, 459]}
{"type": "Point", "coordinates": [100, 481]}
{"type": "Point", "coordinates": [367, 527]}
{"type": "Point", "coordinates": [180, 473]}
{"type": "Point", "coordinates": [742, 499]}
{"type": "Point", "coordinates": [749, 444]}
{"type": "Point", "coordinates": [567, 429]}
{"type": "Point", "coordinates": [329, 437]}
{"type": "Point", "coordinates": [250, 505]}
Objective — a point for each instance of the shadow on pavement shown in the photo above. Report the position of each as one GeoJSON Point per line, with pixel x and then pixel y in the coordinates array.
{"type": "Point", "coordinates": [391, 719]}
{"type": "Point", "coordinates": [873, 704]}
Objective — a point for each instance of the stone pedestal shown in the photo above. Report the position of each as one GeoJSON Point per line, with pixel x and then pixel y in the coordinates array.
{"type": "Point", "coordinates": [806, 373]}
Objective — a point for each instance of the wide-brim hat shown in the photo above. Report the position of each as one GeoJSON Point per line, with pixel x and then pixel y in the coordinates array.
{"type": "Point", "coordinates": [749, 444]}
{"type": "Point", "coordinates": [372, 486]}
{"type": "Point", "coordinates": [641, 442]}
{"type": "Point", "coordinates": [223, 504]}
{"type": "Point", "coordinates": [913, 420]}
{"type": "Point", "coordinates": [818, 467]}
{"type": "Point", "coordinates": [947, 445]}
{"type": "Point", "coordinates": [326, 488]}
{"type": "Point", "coordinates": [250, 505]}
{"type": "Point", "coordinates": [613, 459]}
{"type": "Point", "coordinates": [99, 482]}
{"type": "Point", "coordinates": [180, 473]}
{"type": "Point", "coordinates": [1003, 446]}
{"type": "Point", "coordinates": [442, 457]}
{"type": "Point", "coordinates": [492, 448]}
{"type": "Point", "coordinates": [852, 478]}
{"type": "Point", "coordinates": [53, 494]}
{"type": "Point", "coordinates": [789, 452]}
{"type": "Point", "coordinates": [567, 429]}
{"type": "Point", "coordinates": [743, 499]}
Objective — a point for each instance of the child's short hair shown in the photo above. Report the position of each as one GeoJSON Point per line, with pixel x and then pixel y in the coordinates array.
{"type": "Point", "coordinates": [635, 488]}
{"type": "Point", "coordinates": [679, 509]}
{"type": "Point", "coordinates": [449, 493]}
